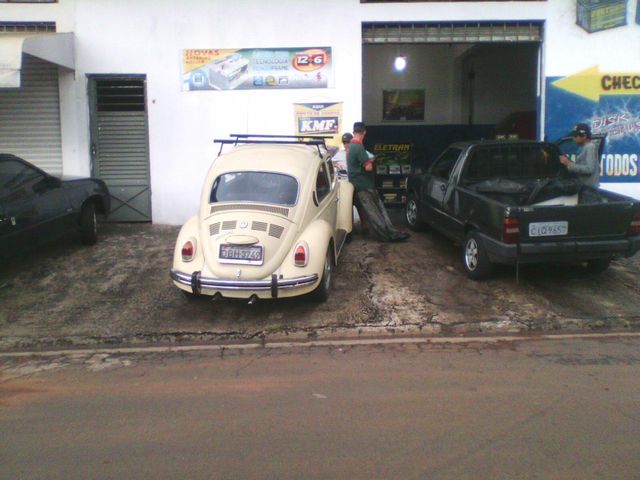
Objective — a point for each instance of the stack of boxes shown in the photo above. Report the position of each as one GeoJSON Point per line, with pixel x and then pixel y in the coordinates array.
{"type": "Point", "coordinates": [596, 15]}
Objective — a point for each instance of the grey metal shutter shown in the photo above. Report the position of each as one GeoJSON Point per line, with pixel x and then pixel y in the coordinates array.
{"type": "Point", "coordinates": [121, 147]}
{"type": "Point", "coordinates": [30, 116]}
{"type": "Point", "coordinates": [451, 32]}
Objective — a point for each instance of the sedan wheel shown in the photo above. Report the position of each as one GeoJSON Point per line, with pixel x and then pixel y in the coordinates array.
{"type": "Point", "coordinates": [475, 260]}
{"type": "Point", "coordinates": [412, 214]}
{"type": "Point", "coordinates": [88, 224]}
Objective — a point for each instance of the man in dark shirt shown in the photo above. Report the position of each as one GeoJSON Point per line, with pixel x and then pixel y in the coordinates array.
{"type": "Point", "coordinates": [587, 164]}
{"type": "Point", "coordinates": [367, 201]}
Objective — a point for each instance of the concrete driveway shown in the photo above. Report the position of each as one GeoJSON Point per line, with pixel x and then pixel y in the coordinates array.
{"type": "Point", "coordinates": [119, 291]}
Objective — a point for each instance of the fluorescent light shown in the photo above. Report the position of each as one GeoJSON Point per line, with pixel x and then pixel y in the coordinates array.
{"type": "Point", "coordinates": [400, 63]}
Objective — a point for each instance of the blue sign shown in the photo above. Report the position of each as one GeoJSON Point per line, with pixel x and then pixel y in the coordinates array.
{"type": "Point", "coordinates": [617, 116]}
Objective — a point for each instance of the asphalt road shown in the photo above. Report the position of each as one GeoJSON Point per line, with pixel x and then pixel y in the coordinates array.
{"type": "Point", "coordinates": [561, 409]}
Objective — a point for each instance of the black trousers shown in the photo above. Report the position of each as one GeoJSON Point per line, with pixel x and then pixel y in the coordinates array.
{"type": "Point", "coordinates": [374, 215]}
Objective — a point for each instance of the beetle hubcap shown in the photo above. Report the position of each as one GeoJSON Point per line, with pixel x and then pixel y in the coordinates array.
{"type": "Point", "coordinates": [471, 254]}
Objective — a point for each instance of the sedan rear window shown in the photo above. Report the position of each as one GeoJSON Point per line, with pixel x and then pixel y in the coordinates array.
{"type": "Point", "coordinates": [260, 187]}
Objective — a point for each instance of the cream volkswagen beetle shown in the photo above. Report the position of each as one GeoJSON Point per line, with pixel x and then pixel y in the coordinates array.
{"type": "Point", "coordinates": [273, 218]}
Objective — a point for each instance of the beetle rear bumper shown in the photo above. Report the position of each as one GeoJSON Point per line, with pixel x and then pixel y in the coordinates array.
{"type": "Point", "coordinates": [206, 285]}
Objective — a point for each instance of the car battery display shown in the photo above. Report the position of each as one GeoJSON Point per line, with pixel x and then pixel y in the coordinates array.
{"type": "Point", "coordinates": [596, 15]}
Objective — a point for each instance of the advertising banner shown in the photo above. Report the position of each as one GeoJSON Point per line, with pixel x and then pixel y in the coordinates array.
{"type": "Point", "coordinates": [319, 118]}
{"type": "Point", "coordinates": [256, 68]}
{"type": "Point", "coordinates": [608, 101]}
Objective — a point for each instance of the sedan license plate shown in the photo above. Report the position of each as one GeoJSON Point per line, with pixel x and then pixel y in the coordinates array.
{"type": "Point", "coordinates": [548, 229]}
{"type": "Point", "coordinates": [245, 254]}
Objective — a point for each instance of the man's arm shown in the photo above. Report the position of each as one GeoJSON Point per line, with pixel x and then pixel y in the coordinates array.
{"type": "Point", "coordinates": [587, 162]}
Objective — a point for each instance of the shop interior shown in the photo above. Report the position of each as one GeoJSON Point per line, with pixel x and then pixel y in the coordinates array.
{"type": "Point", "coordinates": [420, 97]}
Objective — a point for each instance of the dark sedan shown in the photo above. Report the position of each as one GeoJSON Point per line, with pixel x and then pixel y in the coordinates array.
{"type": "Point", "coordinates": [37, 207]}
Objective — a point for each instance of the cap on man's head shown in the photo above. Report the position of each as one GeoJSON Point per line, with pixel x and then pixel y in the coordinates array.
{"type": "Point", "coordinates": [347, 137]}
{"type": "Point", "coordinates": [359, 127]}
{"type": "Point", "coordinates": [581, 129]}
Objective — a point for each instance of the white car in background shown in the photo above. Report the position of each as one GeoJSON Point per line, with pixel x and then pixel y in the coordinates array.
{"type": "Point", "coordinates": [273, 219]}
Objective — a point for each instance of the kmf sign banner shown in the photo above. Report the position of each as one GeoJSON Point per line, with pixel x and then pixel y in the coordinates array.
{"type": "Point", "coordinates": [256, 68]}
{"type": "Point", "coordinates": [319, 118]}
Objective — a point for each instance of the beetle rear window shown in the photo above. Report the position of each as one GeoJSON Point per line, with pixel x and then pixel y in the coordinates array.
{"type": "Point", "coordinates": [260, 187]}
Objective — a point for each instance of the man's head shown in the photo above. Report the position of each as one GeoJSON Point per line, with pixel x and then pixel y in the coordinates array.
{"type": "Point", "coordinates": [346, 138]}
{"type": "Point", "coordinates": [359, 127]}
{"type": "Point", "coordinates": [581, 133]}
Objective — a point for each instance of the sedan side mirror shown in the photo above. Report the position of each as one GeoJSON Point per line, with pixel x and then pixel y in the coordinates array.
{"type": "Point", "coordinates": [47, 183]}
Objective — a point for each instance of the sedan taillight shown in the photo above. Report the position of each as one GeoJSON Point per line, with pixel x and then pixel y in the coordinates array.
{"type": "Point", "coordinates": [634, 226]}
{"type": "Point", "coordinates": [188, 251]}
{"type": "Point", "coordinates": [300, 255]}
{"type": "Point", "coordinates": [510, 230]}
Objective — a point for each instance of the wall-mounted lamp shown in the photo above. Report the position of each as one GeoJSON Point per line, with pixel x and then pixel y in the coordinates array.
{"type": "Point", "coordinates": [400, 63]}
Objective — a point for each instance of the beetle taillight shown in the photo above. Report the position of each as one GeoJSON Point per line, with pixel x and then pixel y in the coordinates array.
{"type": "Point", "coordinates": [188, 251]}
{"type": "Point", "coordinates": [510, 230]}
{"type": "Point", "coordinates": [300, 255]}
{"type": "Point", "coordinates": [634, 226]}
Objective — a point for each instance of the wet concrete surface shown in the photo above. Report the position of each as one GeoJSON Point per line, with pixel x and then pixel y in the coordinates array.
{"type": "Point", "coordinates": [119, 291]}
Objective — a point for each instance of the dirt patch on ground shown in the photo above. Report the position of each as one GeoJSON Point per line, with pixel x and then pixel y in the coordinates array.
{"type": "Point", "coordinates": [119, 291]}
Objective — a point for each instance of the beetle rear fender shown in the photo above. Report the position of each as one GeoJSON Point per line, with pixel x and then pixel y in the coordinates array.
{"type": "Point", "coordinates": [318, 236]}
{"type": "Point", "coordinates": [345, 211]}
{"type": "Point", "coordinates": [189, 231]}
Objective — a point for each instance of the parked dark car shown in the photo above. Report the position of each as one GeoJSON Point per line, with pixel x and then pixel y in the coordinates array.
{"type": "Point", "coordinates": [36, 207]}
{"type": "Point", "coordinates": [513, 202]}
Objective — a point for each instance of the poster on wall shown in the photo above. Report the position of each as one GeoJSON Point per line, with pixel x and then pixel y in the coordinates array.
{"type": "Point", "coordinates": [256, 68]}
{"type": "Point", "coordinates": [403, 104]}
{"type": "Point", "coordinates": [319, 118]}
{"type": "Point", "coordinates": [595, 16]}
{"type": "Point", "coordinates": [609, 101]}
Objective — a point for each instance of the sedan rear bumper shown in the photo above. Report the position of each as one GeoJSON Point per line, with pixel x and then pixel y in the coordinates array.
{"type": "Point", "coordinates": [577, 250]}
{"type": "Point", "coordinates": [200, 284]}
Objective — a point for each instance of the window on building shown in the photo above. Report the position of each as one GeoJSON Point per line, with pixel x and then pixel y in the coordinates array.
{"type": "Point", "coordinates": [28, 1]}
{"type": "Point", "coordinates": [28, 27]}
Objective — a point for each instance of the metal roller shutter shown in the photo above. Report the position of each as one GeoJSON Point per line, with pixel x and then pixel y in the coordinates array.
{"type": "Point", "coordinates": [120, 139]}
{"type": "Point", "coordinates": [30, 116]}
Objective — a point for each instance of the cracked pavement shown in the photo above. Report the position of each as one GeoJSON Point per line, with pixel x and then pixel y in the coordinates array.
{"type": "Point", "coordinates": [119, 292]}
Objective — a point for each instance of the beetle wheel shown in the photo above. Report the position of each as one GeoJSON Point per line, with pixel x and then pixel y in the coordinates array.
{"type": "Point", "coordinates": [321, 293]}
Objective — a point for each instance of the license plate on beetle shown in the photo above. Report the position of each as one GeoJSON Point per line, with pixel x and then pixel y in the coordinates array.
{"type": "Point", "coordinates": [548, 229]}
{"type": "Point", "coordinates": [245, 254]}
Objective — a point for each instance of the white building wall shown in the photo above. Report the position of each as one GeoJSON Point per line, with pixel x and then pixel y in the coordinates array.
{"type": "Point", "coordinates": [147, 37]}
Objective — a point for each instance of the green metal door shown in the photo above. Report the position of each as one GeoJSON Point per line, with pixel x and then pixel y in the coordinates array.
{"type": "Point", "coordinates": [120, 144]}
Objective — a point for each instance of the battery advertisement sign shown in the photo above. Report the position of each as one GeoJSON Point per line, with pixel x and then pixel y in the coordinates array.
{"type": "Point", "coordinates": [609, 102]}
{"type": "Point", "coordinates": [256, 68]}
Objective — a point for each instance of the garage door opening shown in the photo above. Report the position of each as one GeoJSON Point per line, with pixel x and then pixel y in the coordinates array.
{"type": "Point", "coordinates": [462, 81]}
